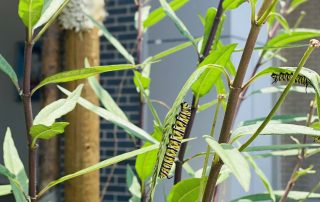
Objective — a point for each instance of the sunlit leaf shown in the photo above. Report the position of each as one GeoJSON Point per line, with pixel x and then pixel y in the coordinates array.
{"type": "Point", "coordinates": [30, 11]}
{"type": "Point", "coordinates": [49, 114]}
{"type": "Point", "coordinates": [185, 190]}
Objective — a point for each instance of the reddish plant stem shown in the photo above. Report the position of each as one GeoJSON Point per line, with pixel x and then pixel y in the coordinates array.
{"type": "Point", "coordinates": [27, 105]}
{"type": "Point", "coordinates": [195, 100]}
{"type": "Point", "coordinates": [301, 157]}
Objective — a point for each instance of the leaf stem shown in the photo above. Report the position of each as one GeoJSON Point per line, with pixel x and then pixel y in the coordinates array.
{"type": "Point", "coordinates": [195, 99]}
{"type": "Point", "coordinates": [301, 156]}
{"type": "Point", "coordinates": [233, 100]}
{"type": "Point", "coordinates": [208, 152]}
{"type": "Point", "coordinates": [283, 95]}
{"type": "Point", "coordinates": [27, 105]}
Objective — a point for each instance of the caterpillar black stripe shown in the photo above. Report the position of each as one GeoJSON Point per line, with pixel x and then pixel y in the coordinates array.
{"type": "Point", "coordinates": [173, 147]}
{"type": "Point", "coordinates": [302, 80]}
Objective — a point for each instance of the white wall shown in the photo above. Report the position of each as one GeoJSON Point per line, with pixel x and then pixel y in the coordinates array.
{"type": "Point", "coordinates": [169, 75]}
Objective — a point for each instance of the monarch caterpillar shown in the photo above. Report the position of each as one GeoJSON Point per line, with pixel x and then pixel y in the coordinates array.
{"type": "Point", "coordinates": [173, 147]}
{"type": "Point", "coordinates": [302, 80]}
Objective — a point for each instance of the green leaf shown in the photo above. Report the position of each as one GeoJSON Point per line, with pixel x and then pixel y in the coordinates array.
{"type": "Point", "coordinates": [30, 11]}
{"type": "Point", "coordinates": [5, 190]}
{"type": "Point", "coordinates": [14, 164]}
{"type": "Point", "coordinates": [104, 96]}
{"type": "Point", "coordinates": [313, 77]}
{"type": "Point", "coordinates": [233, 159]}
{"type": "Point", "coordinates": [47, 132]}
{"type": "Point", "coordinates": [294, 35]}
{"type": "Point", "coordinates": [113, 118]}
{"type": "Point", "coordinates": [145, 163]}
{"type": "Point", "coordinates": [8, 70]}
{"type": "Point", "coordinates": [122, 50]}
{"type": "Point", "coordinates": [106, 99]}
{"type": "Point", "coordinates": [49, 9]}
{"type": "Point", "coordinates": [206, 81]}
{"type": "Point", "coordinates": [179, 24]}
{"type": "Point", "coordinates": [280, 89]}
{"type": "Point", "coordinates": [211, 14]}
{"type": "Point", "coordinates": [280, 147]}
{"type": "Point", "coordinates": [281, 20]}
{"type": "Point", "coordinates": [100, 165]}
{"type": "Point", "coordinates": [140, 80]}
{"type": "Point", "coordinates": [158, 14]}
{"type": "Point", "coordinates": [48, 115]}
{"type": "Point", "coordinates": [262, 176]}
{"type": "Point", "coordinates": [232, 4]}
{"type": "Point", "coordinates": [133, 183]}
{"type": "Point", "coordinates": [5, 172]}
{"type": "Point", "coordinates": [170, 51]}
{"type": "Point", "coordinates": [277, 129]}
{"type": "Point", "coordinates": [294, 4]}
{"type": "Point", "coordinates": [294, 195]}
{"type": "Point", "coordinates": [207, 105]}
{"type": "Point", "coordinates": [80, 74]}
{"type": "Point", "coordinates": [185, 190]}
{"type": "Point", "coordinates": [276, 119]}
{"type": "Point", "coordinates": [169, 120]}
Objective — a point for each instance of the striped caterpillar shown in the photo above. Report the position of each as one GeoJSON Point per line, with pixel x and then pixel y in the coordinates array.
{"type": "Point", "coordinates": [302, 80]}
{"type": "Point", "coordinates": [173, 147]}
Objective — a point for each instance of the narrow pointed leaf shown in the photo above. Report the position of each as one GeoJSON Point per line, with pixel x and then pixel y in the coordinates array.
{"type": "Point", "coordinates": [233, 159]}
{"type": "Point", "coordinates": [8, 70]}
{"type": "Point", "coordinates": [80, 74]}
{"type": "Point", "coordinates": [5, 190]}
{"type": "Point", "coordinates": [48, 115]}
{"type": "Point", "coordinates": [159, 14]}
{"type": "Point", "coordinates": [133, 183]}
{"type": "Point", "coordinates": [14, 164]}
{"type": "Point", "coordinates": [113, 118]}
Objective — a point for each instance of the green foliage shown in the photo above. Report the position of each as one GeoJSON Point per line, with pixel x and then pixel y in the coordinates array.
{"type": "Point", "coordinates": [133, 185]}
{"type": "Point", "coordinates": [159, 14]}
{"type": "Point", "coordinates": [281, 20]}
{"type": "Point", "coordinates": [100, 165]}
{"type": "Point", "coordinates": [206, 81]}
{"type": "Point", "coordinates": [78, 74]}
{"type": "Point", "coordinates": [113, 40]}
{"type": "Point", "coordinates": [234, 160]}
{"type": "Point", "coordinates": [277, 129]}
{"type": "Point", "coordinates": [30, 11]}
{"type": "Point", "coordinates": [232, 4]}
{"type": "Point", "coordinates": [262, 176]}
{"type": "Point", "coordinates": [145, 163]}
{"type": "Point", "coordinates": [211, 14]}
{"type": "Point", "coordinates": [13, 164]}
{"type": "Point", "coordinates": [5, 190]}
{"type": "Point", "coordinates": [293, 195]}
{"type": "Point", "coordinates": [48, 115]}
{"type": "Point", "coordinates": [185, 190]}
{"type": "Point", "coordinates": [113, 118]}
{"type": "Point", "coordinates": [178, 23]}
{"type": "Point", "coordinates": [8, 70]}
{"type": "Point", "coordinates": [46, 132]}
{"type": "Point", "coordinates": [169, 120]}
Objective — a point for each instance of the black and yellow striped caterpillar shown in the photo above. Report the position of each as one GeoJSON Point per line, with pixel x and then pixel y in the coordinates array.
{"type": "Point", "coordinates": [302, 80]}
{"type": "Point", "coordinates": [173, 147]}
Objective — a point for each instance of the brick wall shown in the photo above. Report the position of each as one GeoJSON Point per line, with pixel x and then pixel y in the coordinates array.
{"type": "Point", "coordinates": [299, 103]}
{"type": "Point", "coordinates": [115, 141]}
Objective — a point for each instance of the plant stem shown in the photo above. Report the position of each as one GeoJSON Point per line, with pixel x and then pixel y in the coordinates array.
{"type": "Point", "coordinates": [208, 152]}
{"type": "Point", "coordinates": [235, 91]}
{"type": "Point", "coordinates": [301, 156]}
{"type": "Point", "coordinates": [195, 99]}
{"type": "Point", "coordinates": [281, 99]}
{"type": "Point", "coordinates": [27, 105]}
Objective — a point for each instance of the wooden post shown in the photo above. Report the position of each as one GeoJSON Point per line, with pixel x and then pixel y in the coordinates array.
{"type": "Point", "coordinates": [82, 136]}
{"type": "Point", "coordinates": [51, 63]}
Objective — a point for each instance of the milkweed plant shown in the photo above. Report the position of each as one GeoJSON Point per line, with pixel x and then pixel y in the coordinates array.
{"type": "Point", "coordinates": [162, 153]}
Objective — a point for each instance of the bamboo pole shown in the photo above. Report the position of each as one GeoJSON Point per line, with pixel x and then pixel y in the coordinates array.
{"type": "Point", "coordinates": [82, 136]}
